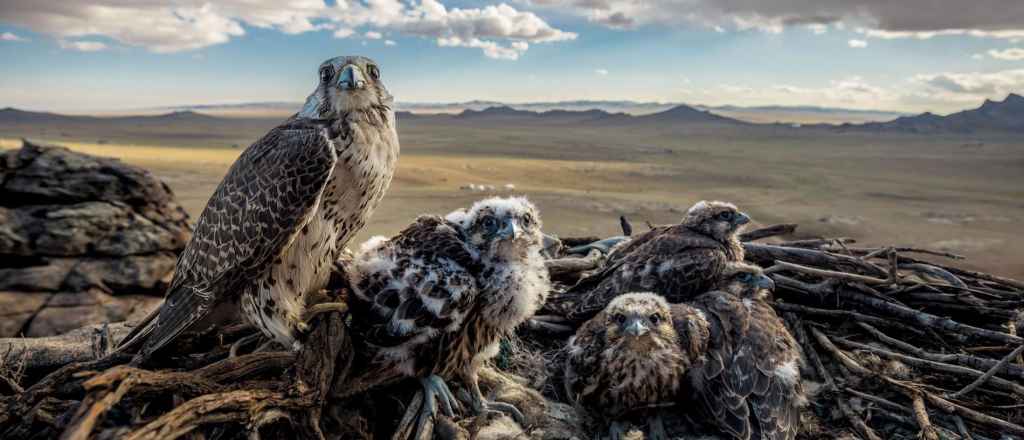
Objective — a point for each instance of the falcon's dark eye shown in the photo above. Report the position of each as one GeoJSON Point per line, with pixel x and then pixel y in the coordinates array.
{"type": "Point", "coordinates": [655, 319]}
{"type": "Point", "coordinates": [743, 277]}
{"type": "Point", "coordinates": [374, 72]}
{"type": "Point", "coordinates": [725, 215]}
{"type": "Point", "coordinates": [621, 319]}
{"type": "Point", "coordinates": [527, 219]}
{"type": "Point", "coordinates": [490, 223]}
{"type": "Point", "coordinates": [325, 74]}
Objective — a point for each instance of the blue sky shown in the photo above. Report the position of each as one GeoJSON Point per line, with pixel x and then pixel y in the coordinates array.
{"type": "Point", "coordinates": [937, 55]}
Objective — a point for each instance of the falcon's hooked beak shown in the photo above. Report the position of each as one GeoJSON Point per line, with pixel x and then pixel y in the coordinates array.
{"type": "Point", "coordinates": [741, 219]}
{"type": "Point", "coordinates": [637, 328]}
{"type": "Point", "coordinates": [351, 78]}
{"type": "Point", "coordinates": [509, 230]}
{"type": "Point", "coordinates": [765, 283]}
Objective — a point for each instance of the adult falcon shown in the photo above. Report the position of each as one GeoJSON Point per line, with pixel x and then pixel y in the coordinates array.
{"type": "Point", "coordinates": [284, 212]}
{"type": "Point", "coordinates": [677, 262]}
{"type": "Point", "coordinates": [748, 385]}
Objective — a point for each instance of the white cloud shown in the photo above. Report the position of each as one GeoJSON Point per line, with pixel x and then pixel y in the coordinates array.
{"type": "Point", "coordinates": [818, 28]}
{"type": "Point", "coordinates": [1013, 54]}
{"type": "Point", "coordinates": [925, 35]}
{"type": "Point", "coordinates": [720, 29]}
{"type": "Point", "coordinates": [980, 84]}
{"type": "Point", "coordinates": [389, 43]}
{"type": "Point", "coordinates": [8, 36]}
{"type": "Point", "coordinates": [737, 89]}
{"type": "Point", "coordinates": [602, 72]}
{"type": "Point", "coordinates": [491, 49]}
{"type": "Point", "coordinates": [176, 25]}
{"type": "Point", "coordinates": [976, 56]}
{"type": "Point", "coordinates": [993, 18]}
{"type": "Point", "coordinates": [857, 43]}
{"type": "Point", "coordinates": [83, 46]}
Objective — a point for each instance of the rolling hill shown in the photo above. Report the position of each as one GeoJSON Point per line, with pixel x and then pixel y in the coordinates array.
{"type": "Point", "coordinates": [1003, 116]}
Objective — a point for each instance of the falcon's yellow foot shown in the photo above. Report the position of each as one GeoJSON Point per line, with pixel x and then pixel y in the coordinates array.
{"type": "Point", "coordinates": [312, 311]}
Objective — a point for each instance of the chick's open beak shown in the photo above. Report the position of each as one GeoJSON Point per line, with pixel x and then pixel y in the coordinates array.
{"type": "Point", "coordinates": [509, 230]}
{"type": "Point", "coordinates": [637, 328]}
{"type": "Point", "coordinates": [351, 78]}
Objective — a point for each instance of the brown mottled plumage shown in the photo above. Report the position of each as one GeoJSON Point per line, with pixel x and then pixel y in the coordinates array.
{"type": "Point", "coordinates": [677, 262]}
{"type": "Point", "coordinates": [748, 385]}
{"type": "Point", "coordinates": [436, 300]}
{"type": "Point", "coordinates": [635, 353]}
{"type": "Point", "coordinates": [285, 211]}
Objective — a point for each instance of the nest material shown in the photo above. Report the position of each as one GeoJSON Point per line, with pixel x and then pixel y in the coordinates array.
{"type": "Point", "coordinates": [895, 347]}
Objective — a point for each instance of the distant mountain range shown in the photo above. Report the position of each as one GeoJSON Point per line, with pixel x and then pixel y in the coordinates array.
{"type": "Point", "coordinates": [629, 107]}
{"type": "Point", "coordinates": [992, 116]}
{"type": "Point", "coordinates": [1007, 115]}
{"type": "Point", "coordinates": [13, 115]}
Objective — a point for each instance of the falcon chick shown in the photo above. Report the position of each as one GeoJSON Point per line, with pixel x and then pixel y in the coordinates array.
{"type": "Point", "coordinates": [435, 301]}
{"type": "Point", "coordinates": [748, 385]}
{"type": "Point", "coordinates": [677, 262]}
{"type": "Point", "coordinates": [634, 353]}
{"type": "Point", "coordinates": [284, 212]}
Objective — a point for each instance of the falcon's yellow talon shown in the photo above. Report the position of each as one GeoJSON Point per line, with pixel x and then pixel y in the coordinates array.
{"type": "Point", "coordinates": [311, 311]}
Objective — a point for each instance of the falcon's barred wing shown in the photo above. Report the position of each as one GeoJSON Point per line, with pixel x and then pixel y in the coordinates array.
{"type": "Point", "coordinates": [267, 195]}
{"type": "Point", "coordinates": [749, 384]}
{"type": "Point", "coordinates": [583, 359]}
{"type": "Point", "coordinates": [692, 331]}
{"type": "Point", "coordinates": [673, 262]}
{"type": "Point", "coordinates": [419, 282]}
{"type": "Point", "coordinates": [633, 244]}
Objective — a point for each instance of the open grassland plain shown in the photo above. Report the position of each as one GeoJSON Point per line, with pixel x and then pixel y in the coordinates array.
{"type": "Point", "coordinates": [962, 193]}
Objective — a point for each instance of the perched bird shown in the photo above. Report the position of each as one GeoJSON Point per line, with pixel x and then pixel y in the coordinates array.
{"type": "Point", "coordinates": [635, 353]}
{"type": "Point", "coordinates": [434, 302]}
{"type": "Point", "coordinates": [284, 212]}
{"type": "Point", "coordinates": [748, 385]}
{"type": "Point", "coordinates": [677, 262]}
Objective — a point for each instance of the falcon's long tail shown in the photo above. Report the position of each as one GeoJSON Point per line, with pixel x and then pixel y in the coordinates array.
{"type": "Point", "coordinates": [140, 333]}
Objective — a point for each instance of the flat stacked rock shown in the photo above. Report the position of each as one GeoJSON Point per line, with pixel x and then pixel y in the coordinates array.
{"type": "Point", "coordinates": [83, 240]}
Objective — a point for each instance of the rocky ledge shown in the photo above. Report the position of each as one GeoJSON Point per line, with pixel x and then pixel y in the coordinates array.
{"type": "Point", "coordinates": [83, 240]}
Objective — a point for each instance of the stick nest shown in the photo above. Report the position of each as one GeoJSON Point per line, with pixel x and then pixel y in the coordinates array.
{"type": "Point", "coordinates": [894, 347]}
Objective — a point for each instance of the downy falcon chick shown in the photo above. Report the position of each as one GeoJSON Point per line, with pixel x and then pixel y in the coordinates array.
{"type": "Point", "coordinates": [434, 302]}
{"type": "Point", "coordinates": [284, 212]}
{"type": "Point", "coordinates": [748, 385]}
{"type": "Point", "coordinates": [677, 262]}
{"type": "Point", "coordinates": [634, 353]}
